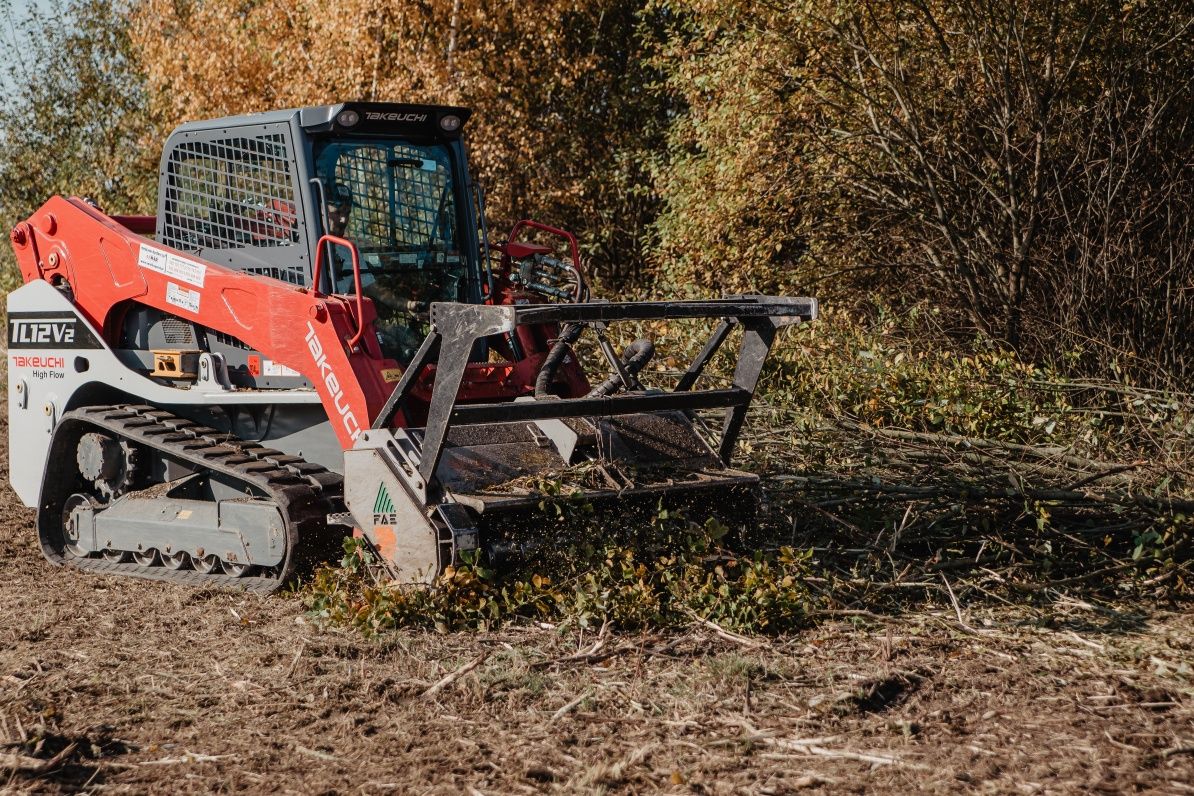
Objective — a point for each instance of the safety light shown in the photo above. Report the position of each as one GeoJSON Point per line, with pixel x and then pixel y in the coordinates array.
{"type": "Point", "coordinates": [347, 118]}
{"type": "Point", "coordinates": [449, 123]}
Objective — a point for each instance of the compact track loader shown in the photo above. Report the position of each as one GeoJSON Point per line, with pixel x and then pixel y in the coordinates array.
{"type": "Point", "coordinates": [314, 337]}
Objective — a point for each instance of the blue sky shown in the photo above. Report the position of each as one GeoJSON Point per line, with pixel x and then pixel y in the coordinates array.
{"type": "Point", "coordinates": [22, 7]}
{"type": "Point", "coordinates": [11, 13]}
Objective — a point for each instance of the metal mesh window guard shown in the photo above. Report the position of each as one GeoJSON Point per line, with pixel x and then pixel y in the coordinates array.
{"type": "Point", "coordinates": [229, 194]}
{"type": "Point", "coordinates": [400, 198]}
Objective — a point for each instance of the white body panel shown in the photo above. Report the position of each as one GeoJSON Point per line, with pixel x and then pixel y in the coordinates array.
{"type": "Point", "coordinates": [52, 357]}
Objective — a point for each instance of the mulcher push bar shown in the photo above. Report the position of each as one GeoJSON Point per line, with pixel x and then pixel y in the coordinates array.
{"type": "Point", "coordinates": [455, 328]}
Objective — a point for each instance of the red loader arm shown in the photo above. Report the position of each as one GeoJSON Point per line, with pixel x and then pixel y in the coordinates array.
{"type": "Point", "coordinates": [106, 265]}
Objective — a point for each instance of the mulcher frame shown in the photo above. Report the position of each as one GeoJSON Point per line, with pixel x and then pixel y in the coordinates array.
{"type": "Point", "coordinates": [456, 328]}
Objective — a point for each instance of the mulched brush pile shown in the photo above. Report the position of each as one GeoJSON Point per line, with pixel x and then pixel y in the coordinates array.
{"type": "Point", "coordinates": [919, 674]}
{"type": "Point", "coordinates": [893, 514]}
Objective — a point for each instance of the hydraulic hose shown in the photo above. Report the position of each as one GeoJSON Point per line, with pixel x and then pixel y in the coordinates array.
{"type": "Point", "coordinates": [551, 363]}
{"type": "Point", "coordinates": [634, 359]}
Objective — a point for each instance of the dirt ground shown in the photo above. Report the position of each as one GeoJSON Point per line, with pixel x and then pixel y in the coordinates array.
{"type": "Point", "coordinates": [121, 686]}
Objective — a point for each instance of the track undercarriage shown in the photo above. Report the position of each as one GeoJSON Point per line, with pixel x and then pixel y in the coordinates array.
{"type": "Point", "coordinates": [181, 502]}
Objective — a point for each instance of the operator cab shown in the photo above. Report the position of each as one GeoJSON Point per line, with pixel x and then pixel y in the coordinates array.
{"type": "Point", "coordinates": [259, 192]}
{"type": "Point", "coordinates": [399, 195]}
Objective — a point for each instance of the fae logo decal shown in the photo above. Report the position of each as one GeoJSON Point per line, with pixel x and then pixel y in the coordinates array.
{"type": "Point", "coordinates": [383, 508]}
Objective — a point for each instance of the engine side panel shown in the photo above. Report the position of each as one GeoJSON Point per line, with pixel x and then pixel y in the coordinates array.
{"type": "Point", "coordinates": [71, 243]}
{"type": "Point", "coordinates": [57, 361]}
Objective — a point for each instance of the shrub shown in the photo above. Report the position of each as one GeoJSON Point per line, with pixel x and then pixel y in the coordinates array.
{"type": "Point", "coordinates": [1022, 165]}
{"type": "Point", "coordinates": [625, 586]}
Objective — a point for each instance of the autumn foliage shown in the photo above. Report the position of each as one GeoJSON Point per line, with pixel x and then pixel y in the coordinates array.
{"type": "Point", "coordinates": [558, 88]}
{"type": "Point", "coordinates": [1024, 167]}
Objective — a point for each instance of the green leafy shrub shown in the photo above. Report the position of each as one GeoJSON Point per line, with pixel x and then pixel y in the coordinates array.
{"type": "Point", "coordinates": [962, 153]}
{"type": "Point", "coordinates": [884, 372]}
{"type": "Point", "coordinates": [627, 587]}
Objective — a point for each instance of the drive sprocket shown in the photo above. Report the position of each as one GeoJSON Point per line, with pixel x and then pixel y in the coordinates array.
{"type": "Point", "coordinates": [109, 464]}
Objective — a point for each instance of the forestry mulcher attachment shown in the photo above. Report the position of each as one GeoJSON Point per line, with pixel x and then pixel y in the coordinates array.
{"type": "Point", "coordinates": [314, 335]}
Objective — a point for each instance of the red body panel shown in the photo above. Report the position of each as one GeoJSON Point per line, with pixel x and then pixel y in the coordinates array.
{"type": "Point", "coordinates": [104, 263]}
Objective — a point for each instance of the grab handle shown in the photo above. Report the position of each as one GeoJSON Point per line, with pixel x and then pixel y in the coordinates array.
{"type": "Point", "coordinates": [356, 279]}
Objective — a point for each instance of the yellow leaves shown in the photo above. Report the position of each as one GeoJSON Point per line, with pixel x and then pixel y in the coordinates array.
{"type": "Point", "coordinates": [219, 57]}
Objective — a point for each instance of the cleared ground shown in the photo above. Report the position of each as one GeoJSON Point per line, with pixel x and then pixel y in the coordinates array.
{"type": "Point", "coordinates": [123, 686]}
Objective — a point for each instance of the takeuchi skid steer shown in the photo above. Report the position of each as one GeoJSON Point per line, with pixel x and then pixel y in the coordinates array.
{"type": "Point", "coordinates": [313, 336]}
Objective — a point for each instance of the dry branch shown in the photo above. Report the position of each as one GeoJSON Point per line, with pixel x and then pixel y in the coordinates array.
{"type": "Point", "coordinates": [453, 676]}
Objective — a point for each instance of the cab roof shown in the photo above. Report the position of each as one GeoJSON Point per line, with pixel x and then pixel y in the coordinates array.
{"type": "Point", "coordinates": [353, 118]}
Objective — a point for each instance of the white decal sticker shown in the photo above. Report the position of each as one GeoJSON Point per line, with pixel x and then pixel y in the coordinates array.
{"type": "Point", "coordinates": [172, 265]}
{"type": "Point", "coordinates": [271, 368]}
{"type": "Point", "coordinates": [181, 297]}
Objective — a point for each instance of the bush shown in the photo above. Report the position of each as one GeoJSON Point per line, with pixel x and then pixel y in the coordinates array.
{"type": "Point", "coordinates": [1022, 165]}
{"type": "Point", "coordinates": [624, 586]}
{"type": "Point", "coordinates": [77, 122]}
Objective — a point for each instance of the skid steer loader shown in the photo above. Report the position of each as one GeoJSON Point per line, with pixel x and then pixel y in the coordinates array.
{"type": "Point", "coordinates": [313, 337]}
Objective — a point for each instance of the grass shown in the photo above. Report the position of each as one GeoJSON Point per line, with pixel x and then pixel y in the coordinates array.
{"type": "Point", "coordinates": [900, 472]}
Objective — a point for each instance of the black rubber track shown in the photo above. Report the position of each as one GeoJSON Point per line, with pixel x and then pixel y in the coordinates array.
{"type": "Point", "coordinates": [304, 492]}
